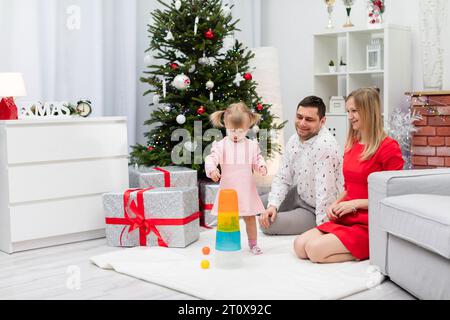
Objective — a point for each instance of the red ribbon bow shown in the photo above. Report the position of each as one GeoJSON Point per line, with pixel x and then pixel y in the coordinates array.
{"type": "Point", "coordinates": [145, 226]}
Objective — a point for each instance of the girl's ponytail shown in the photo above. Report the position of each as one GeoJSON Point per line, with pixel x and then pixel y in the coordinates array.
{"type": "Point", "coordinates": [216, 119]}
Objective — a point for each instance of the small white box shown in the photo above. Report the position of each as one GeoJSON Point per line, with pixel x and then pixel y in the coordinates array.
{"type": "Point", "coordinates": [337, 104]}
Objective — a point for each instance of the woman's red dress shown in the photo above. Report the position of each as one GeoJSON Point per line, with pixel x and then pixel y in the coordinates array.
{"type": "Point", "coordinates": [352, 229]}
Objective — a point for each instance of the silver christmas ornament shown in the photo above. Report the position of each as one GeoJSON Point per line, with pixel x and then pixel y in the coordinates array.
{"type": "Point", "coordinates": [181, 82]}
{"type": "Point", "coordinates": [178, 4]}
{"type": "Point", "coordinates": [209, 85]}
{"type": "Point", "coordinates": [181, 119]}
{"type": "Point", "coordinates": [192, 69]}
{"type": "Point", "coordinates": [203, 61]}
{"type": "Point", "coordinates": [212, 61]}
{"type": "Point", "coordinates": [167, 108]}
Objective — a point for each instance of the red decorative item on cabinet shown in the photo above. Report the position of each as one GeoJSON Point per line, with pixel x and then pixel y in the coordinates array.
{"type": "Point", "coordinates": [8, 109]}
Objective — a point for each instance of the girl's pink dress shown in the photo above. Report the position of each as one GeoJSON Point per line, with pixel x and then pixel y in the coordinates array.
{"type": "Point", "coordinates": [237, 161]}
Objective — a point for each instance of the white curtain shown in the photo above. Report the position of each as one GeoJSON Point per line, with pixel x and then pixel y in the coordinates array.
{"type": "Point", "coordinates": [249, 14]}
{"type": "Point", "coordinates": [74, 49]}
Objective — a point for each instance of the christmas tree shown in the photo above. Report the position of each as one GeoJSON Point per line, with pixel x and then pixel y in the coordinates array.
{"type": "Point", "coordinates": [201, 69]}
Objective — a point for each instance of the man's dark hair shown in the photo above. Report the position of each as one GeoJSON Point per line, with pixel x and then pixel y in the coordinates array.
{"type": "Point", "coordinates": [314, 102]}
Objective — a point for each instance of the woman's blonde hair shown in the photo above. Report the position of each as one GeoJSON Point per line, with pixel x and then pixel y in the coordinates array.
{"type": "Point", "coordinates": [368, 105]}
{"type": "Point", "coordinates": [235, 115]}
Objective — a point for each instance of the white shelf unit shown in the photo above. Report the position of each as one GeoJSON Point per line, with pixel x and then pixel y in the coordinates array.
{"type": "Point", "coordinates": [350, 44]}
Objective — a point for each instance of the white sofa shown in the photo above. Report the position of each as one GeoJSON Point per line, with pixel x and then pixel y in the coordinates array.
{"type": "Point", "coordinates": [409, 229]}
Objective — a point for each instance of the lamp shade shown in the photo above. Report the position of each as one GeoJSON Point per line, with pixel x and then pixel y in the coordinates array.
{"type": "Point", "coordinates": [12, 85]}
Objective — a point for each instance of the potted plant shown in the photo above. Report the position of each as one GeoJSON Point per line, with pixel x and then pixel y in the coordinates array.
{"type": "Point", "coordinates": [342, 66]}
{"type": "Point", "coordinates": [331, 67]}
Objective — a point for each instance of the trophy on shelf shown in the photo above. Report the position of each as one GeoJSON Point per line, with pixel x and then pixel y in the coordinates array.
{"type": "Point", "coordinates": [348, 6]}
{"type": "Point", "coordinates": [330, 4]}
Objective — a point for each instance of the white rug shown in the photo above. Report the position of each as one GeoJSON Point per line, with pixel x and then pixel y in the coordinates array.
{"type": "Point", "coordinates": [276, 274]}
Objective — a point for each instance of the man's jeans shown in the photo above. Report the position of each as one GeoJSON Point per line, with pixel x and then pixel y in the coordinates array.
{"type": "Point", "coordinates": [294, 217]}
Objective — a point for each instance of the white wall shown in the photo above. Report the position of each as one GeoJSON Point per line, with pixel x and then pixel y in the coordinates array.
{"type": "Point", "coordinates": [289, 25]}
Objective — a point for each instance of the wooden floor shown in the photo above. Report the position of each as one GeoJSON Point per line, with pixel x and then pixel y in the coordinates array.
{"type": "Point", "coordinates": [51, 273]}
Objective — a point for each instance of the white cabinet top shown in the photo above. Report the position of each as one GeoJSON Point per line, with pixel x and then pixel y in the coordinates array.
{"type": "Point", "coordinates": [55, 120]}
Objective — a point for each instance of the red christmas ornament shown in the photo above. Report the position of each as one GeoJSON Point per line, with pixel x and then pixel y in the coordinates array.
{"type": "Point", "coordinates": [201, 110]}
{"type": "Point", "coordinates": [259, 106]}
{"type": "Point", "coordinates": [209, 34]}
{"type": "Point", "coordinates": [150, 148]}
{"type": "Point", "coordinates": [174, 66]}
{"type": "Point", "coordinates": [248, 76]}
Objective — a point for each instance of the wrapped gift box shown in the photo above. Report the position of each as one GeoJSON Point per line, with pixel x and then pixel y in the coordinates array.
{"type": "Point", "coordinates": [208, 192]}
{"type": "Point", "coordinates": [172, 176]}
{"type": "Point", "coordinates": [152, 217]}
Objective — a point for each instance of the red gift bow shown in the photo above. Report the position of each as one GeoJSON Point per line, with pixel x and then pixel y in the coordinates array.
{"type": "Point", "coordinates": [145, 226]}
{"type": "Point", "coordinates": [166, 176]}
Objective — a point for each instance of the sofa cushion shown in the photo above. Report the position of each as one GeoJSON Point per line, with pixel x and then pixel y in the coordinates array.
{"type": "Point", "coordinates": [422, 219]}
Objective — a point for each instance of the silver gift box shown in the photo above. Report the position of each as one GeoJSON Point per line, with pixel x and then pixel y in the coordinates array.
{"type": "Point", "coordinates": [208, 192]}
{"type": "Point", "coordinates": [144, 177]}
{"type": "Point", "coordinates": [162, 203]}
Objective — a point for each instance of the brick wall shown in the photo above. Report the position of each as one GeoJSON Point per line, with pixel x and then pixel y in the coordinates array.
{"type": "Point", "coordinates": [431, 144]}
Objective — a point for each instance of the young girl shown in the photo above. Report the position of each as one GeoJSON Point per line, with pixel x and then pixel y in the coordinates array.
{"type": "Point", "coordinates": [238, 158]}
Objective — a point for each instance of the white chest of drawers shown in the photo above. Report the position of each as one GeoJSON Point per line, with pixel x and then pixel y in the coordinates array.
{"type": "Point", "coordinates": [52, 175]}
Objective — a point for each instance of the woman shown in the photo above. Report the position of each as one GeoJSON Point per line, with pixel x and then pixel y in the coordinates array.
{"type": "Point", "coordinates": [368, 149]}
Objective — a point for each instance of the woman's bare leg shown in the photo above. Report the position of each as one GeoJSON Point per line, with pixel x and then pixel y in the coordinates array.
{"type": "Point", "coordinates": [327, 249]}
{"type": "Point", "coordinates": [301, 241]}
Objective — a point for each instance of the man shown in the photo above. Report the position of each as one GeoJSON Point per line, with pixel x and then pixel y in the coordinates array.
{"type": "Point", "coordinates": [310, 177]}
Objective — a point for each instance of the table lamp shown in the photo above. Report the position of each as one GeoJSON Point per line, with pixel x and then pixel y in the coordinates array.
{"type": "Point", "coordinates": [11, 85]}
